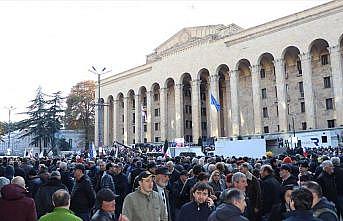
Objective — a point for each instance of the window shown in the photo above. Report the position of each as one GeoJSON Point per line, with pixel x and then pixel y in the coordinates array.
{"type": "Point", "coordinates": [331, 123]}
{"type": "Point", "coordinates": [122, 118]}
{"type": "Point", "coordinates": [122, 131]}
{"type": "Point", "coordinates": [70, 142]}
{"type": "Point", "coordinates": [288, 111]}
{"type": "Point", "coordinates": [266, 129]}
{"type": "Point", "coordinates": [277, 110]}
{"type": "Point", "coordinates": [324, 139]}
{"type": "Point", "coordinates": [303, 125]}
{"type": "Point", "coordinates": [186, 124]}
{"type": "Point", "coordinates": [327, 82]}
{"type": "Point", "coordinates": [275, 91]}
{"type": "Point", "coordinates": [203, 111]}
{"type": "Point", "coordinates": [144, 101]}
{"type": "Point", "coordinates": [329, 104]}
{"type": "Point", "coordinates": [264, 93]}
{"type": "Point", "coordinates": [133, 104]}
{"type": "Point", "coordinates": [203, 125]}
{"type": "Point", "coordinates": [133, 141]}
{"type": "Point", "coordinates": [301, 88]}
{"type": "Point", "coordinates": [157, 139]}
{"type": "Point", "coordinates": [156, 126]}
{"type": "Point", "coordinates": [203, 96]}
{"type": "Point", "coordinates": [278, 128]}
{"type": "Point", "coordinates": [122, 104]}
{"type": "Point", "coordinates": [145, 128]}
{"type": "Point", "coordinates": [157, 112]}
{"type": "Point", "coordinates": [145, 140]}
{"type": "Point", "coordinates": [299, 67]}
{"type": "Point", "coordinates": [156, 97]}
{"type": "Point", "coordinates": [133, 118]}
{"type": "Point", "coordinates": [287, 88]}
{"type": "Point", "coordinates": [324, 59]}
{"type": "Point", "coordinates": [265, 112]}
{"type": "Point", "coordinates": [133, 129]}
{"type": "Point", "coordinates": [302, 107]}
{"type": "Point", "coordinates": [263, 73]}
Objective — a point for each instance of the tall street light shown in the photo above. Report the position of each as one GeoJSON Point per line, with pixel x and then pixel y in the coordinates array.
{"type": "Point", "coordinates": [99, 104]}
{"type": "Point", "coordinates": [9, 108]}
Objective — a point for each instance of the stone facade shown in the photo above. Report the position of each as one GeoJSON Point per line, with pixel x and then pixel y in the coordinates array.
{"type": "Point", "coordinates": [265, 78]}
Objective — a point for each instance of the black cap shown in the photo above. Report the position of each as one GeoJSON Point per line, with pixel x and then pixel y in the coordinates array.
{"type": "Point", "coordinates": [151, 165]}
{"type": "Point", "coordinates": [80, 166]}
{"type": "Point", "coordinates": [105, 194]}
{"type": "Point", "coordinates": [184, 172]}
{"type": "Point", "coordinates": [144, 175]}
{"type": "Point", "coordinates": [163, 170]}
{"type": "Point", "coordinates": [286, 167]}
{"type": "Point", "coordinates": [304, 164]}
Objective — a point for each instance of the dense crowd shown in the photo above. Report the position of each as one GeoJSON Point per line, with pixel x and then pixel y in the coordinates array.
{"type": "Point", "coordinates": [298, 185]}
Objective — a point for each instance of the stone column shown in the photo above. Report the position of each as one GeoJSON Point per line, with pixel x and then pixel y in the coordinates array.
{"type": "Point", "coordinates": [308, 90]}
{"type": "Point", "coordinates": [126, 120]}
{"type": "Point", "coordinates": [281, 93]}
{"type": "Point", "coordinates": [138, 118]}
{"type": "Point", "coordinates": [149, 126]}
{"type": "Point", "coordinates": [234, 103]}
{"type": "Point", "coordinates": [106, 122]}
{"type": "Point", "coordinates": [196, 119]}
{"type": "Point", "coordinates": [256, 97]}
{"type": "Point", "coordinates": [337, 81]}
{"type": "Point", "coordinates": [227, 115]}
{"type": "Point", "coordinates": [179, 111]}
{"type": "Point", "coordinates": [115, 120]}
{"type": "Point", "coordinates": [214, 114]}
{"type": "Point", "coordinates": [163, 112]}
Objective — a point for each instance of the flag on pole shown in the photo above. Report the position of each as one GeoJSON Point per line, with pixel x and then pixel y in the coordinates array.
{"type": "Point", "coordinates": [215, 103]}
{"type": "Point", "coordinates": [92, 152]}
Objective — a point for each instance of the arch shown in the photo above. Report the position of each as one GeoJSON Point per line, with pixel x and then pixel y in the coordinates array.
{"type": "Point", "coordinates": [203, 73]}
{"type": "Point", "coordinates": [242, 62]}
{"type": "Point", "coordinates": [289, 49]}
{"type": "Point", "coordinates": [317, 43]}
{"type": "Point", "coordinates": [265, 56]}
{"type": "Point", "coordinates": [120, 95]}
{"type": "Point", "coordinates": [142, 89]}
{"type": "Point", "coordinates": [340, 41]}
{"type": "Point", "coordinates": [155, 86]}
{"type": "Point", "coordinates": [223, 70]}
{"type": "Point", "coordinates": [185, 77]}
{"type": "Point", "coordinates": [130, 93]}
{"type": "Point", "coordinates": [169, 83]}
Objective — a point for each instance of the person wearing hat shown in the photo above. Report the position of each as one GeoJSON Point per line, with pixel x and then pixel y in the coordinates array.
{"type": "Point", "coordinates": [106, 200]}
{"type": "Point", "coordinates": [144, 204]}
{"type": "Point", "coordinates": [43, 196]}
{"type": "Point", "coordinates": [160, 185]}
{"type": "Point", "coordinates": [83, 194]}
{"type": "Point", "coordinates": [286, 175]}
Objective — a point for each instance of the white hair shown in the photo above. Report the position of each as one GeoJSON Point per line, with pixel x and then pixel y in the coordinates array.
{"type": "Point", "coordinates": [336, 161]}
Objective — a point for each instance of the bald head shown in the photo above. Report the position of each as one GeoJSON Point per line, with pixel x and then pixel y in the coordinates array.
{"type": "Point", "coordinates": [19, 181]}
{"type": "Point", "coordinates": [61, 198]}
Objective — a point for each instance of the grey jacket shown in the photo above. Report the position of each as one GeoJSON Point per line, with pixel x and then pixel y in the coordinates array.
{"type": "Point", "coordinates": [141, 207]}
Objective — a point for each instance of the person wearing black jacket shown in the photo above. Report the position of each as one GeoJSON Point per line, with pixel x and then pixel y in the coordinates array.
{"type": "Point", "coordinates": [186, 189]}
{"type": "Point", "coordinates": [270, 189]}
{"type": "Point", "coordinates": [66, 177]}
{"type": "Point", "coordinates": [286, 175]}
{"type": "Point", "coordinates": [106, 200]}
{"type": "Point", "coordinates": [121, 185]}
{"type": "Point", "coordinates": [82, 195]}
{"type": "Point", "coordinates": [43, 197]}
{"type": "Point", "coordinates": [232, 207]}
{"type": "Point", "coordinates": [326, 180]}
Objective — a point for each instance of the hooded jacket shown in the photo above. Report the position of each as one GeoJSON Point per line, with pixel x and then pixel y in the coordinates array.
{"type": "Point", "coordinates": [16, 204]}
{"type": "Point", "coordinates": [227, 212]}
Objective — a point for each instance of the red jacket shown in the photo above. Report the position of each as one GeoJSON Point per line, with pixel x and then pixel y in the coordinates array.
{"type": "Point", "coordinates": [15, 205]}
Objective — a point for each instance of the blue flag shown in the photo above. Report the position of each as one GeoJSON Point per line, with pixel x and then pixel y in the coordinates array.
{"type": "Point", "coordinates": [215, 103]}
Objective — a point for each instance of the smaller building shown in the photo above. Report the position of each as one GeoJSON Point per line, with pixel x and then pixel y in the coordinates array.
{"type": "Point", "coordinates": [15, 144]}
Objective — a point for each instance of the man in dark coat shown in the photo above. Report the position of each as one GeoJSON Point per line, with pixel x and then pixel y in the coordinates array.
{"type": "Point", "coordinates": [82, 195]}
{"type": "Point", "coordinates": [300, 204]}
{"type": "Point", "coordinates": [15, 204]}
{"type": "Point", "coordinates": [43, 197]}
{"type": "Point", "coordinates": [121, 185]}
{"type": "Point", "coordinates": [176, 190]}
{"type": "Point", "coordinates": [270, 189]}
{"type": "Point", "coordinates": [200, 208]}
{"type": "Point", "coordinates": [66, 176]}
{"type": "Point", "coordinates": [286, 175]}
{"type": "Point", "coordinates": [185, 192]}
{"type": "Point", "coordinates": [232, 207]}
{"type": "Point", "coordinates": [326, 180]}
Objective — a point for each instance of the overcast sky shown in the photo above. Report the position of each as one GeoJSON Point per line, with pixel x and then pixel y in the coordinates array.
{"type": "Point", "coordinates": [52, 44]}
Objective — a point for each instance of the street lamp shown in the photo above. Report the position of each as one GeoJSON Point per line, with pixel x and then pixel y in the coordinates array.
{"type": "Point", "coordinates": [99, 104]}
{"type": "Point", "coordinates": [9, 108]}
{"type": "Point", "coordinates": [294, 140]}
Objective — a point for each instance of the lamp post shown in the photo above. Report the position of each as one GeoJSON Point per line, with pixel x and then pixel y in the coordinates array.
{"type": "Point", "coordinates": [99, 104]}
{"type": "Point", "coordinates": [10, 108]}
{"type": "Point", "coordinates": [293, 127]}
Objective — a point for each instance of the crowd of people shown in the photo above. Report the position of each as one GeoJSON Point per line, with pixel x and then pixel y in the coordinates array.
{"type": "Point", "coordinates": [298, 185]}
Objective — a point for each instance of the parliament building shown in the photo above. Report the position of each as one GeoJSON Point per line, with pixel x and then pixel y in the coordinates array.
{"type": "Point", "coordinates": [225, 81]}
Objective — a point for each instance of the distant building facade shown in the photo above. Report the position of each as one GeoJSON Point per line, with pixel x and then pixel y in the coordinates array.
{"type": "Point", "coordinates": [274, 78]}
{"type": "Point", "coordinates": [17, 145]}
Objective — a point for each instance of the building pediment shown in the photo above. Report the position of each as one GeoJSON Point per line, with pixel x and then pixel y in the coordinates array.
{"type": "Point", "coordinates": [188, 37]}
